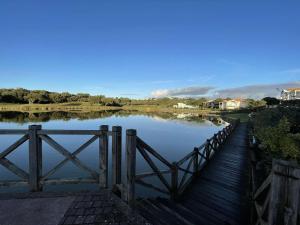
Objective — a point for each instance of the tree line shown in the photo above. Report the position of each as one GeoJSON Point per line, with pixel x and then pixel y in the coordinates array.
{"type": "Point", "coordinates": [24, 96]}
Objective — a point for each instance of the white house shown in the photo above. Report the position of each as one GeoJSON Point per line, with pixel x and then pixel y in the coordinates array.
{"type": "Point", "coordinates": [232, 104]}
{"type": "Point", "coordinates": [181, 105]}
{"type": "Point", "coordinates": [290, 94]}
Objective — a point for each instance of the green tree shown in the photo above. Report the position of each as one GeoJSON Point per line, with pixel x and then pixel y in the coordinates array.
{"type": "Point", "coordinates": [271, 101]}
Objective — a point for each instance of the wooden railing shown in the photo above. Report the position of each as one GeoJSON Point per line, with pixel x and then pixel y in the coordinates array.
{"type": "Point", "coordinates": [276, 200]}
{"type": "Point", "coordinates": [36, 136]}
{"type": "Point", "coordinates": [181, 173]}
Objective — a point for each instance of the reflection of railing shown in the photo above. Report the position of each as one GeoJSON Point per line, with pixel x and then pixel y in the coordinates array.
{"type": "Point", "coordinates": [36, 136]}
{"type": "Point", "coordinates": [182, 172]}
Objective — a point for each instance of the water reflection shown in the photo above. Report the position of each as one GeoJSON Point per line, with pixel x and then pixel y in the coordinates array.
{"type": "Point", "coordinates": [172, 135]}
{"type": "Point", "coordinates": [27, 117]}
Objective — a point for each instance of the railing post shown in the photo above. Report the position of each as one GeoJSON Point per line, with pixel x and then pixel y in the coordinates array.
{"type": "Point", "coordinates": [215, 142]}
{"type": "Point", "coordinates": [116, 154]}
{"type": "Point", "coordinates": [103, 157]}
{"type": "Point", "coordinates": [131, 165]}
{"type": "Point", "coordinates": [35, 158]}
{"type": "Point", "coordinates": [195, 163]}
{"type": "Point", "coordinates": [207, 151]}
{"type": "Point", "coordinates": [284, 205]}
{"type": "Point", "coordinates": [174, 181]}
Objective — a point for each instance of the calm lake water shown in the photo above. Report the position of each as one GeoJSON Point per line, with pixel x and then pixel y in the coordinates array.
{"type": "Point", "coordinates": [172, 135]}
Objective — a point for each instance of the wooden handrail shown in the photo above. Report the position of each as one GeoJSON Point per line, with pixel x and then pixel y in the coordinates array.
{"type": "Point", "coordinates": [182, 171]}
{"type": "Point", "coordinates": [177, 184]}
{"type": "Point", "coordinates": [35, 135]}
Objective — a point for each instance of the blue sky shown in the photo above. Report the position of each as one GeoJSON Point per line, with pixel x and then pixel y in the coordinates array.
{"type": "Point", "coordinates": [148, 48]}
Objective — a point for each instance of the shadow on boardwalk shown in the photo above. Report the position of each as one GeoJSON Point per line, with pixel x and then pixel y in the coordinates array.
{"type": "Point", "coordinates": [218, 196]}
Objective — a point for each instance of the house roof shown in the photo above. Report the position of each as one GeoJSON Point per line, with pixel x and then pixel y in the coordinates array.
{"type": "Point", "coordinates": [232, 100]}
{"type": "Point", "coordinates": [293, 89]}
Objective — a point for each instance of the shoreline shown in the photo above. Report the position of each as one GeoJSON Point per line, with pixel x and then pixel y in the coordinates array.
{"type": "Point", "coordinates": [81, 107]}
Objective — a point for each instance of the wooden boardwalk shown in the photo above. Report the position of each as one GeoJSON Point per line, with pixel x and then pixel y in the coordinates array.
{"type": "Point", "coordinates": [218, 195]}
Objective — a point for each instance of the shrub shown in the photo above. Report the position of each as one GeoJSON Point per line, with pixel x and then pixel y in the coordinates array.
{"type": "Point", "coordinates": [278, 132]}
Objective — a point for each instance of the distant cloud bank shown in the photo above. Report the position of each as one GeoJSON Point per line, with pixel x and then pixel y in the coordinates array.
{"type": "Point", "coordinates": [248, 91]}
{"type": "Point", "coordinates": [187, 91]}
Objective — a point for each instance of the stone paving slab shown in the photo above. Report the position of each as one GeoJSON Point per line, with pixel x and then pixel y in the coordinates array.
{"type": "Point", "coordinates": [34, 211]}
{"type": "Point", "coordinates": [101, 208]}
{"type": "Point", "coordinates": [68, 208]}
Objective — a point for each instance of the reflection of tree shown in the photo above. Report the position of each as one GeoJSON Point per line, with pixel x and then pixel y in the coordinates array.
{"type": "Point", "coordinates": [26, 117]}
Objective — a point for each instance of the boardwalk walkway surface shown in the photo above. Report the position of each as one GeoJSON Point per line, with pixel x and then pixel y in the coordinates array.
{"type": "Point", "coordinates": [90, 208]}
{"type": "Point", "coordinates": [217, 197]}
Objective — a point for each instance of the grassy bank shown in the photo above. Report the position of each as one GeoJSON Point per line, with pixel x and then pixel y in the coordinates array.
{"type": "Point", "coordinates": [87, 107]}
{"type": "Point", "coordinates": [242, 116]}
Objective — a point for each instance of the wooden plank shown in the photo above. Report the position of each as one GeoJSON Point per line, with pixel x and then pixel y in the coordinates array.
{"type": "Point", "coordinates": [69, 132]}
{"type": "Point", "coordinates": [263, 186]}
{"type": "Point", "coordinates": [14, 169]}
{"type": "Point", "coordinates": [35, 158]}
{"type": "Point", "coordinates": [15, 145]}
{"type": "Point", "coordinates": [142, 144]}
{"type": "Point", "coordinates": [149, 212]}
{"type": "Point", "coordinates": [151, 186]}
{"type": "Point", "coordinates": [103, 157]}
{"type": "Point", "coordinates": [187, 171]}
{"type": "Point", "coordinates": [174, 181]}
{"type": "Point", "coordinates": [195, 163]}
{"type": "Point", "coordinates": [185, 158]}
{"type": "Point", "coordinates": [68, 155]}
{"type": "Point", "coordinates": [13, 183]}
{"type": "Point", "coordinates": [116, 155]}
{"type": "Point", "coordinates": [171, 213]}
{"type": "Point", "coordinates": [150, 174]}
{"type": "Point", "coordinates": [63, 162]}
{"type": "Point", "coordinates": [13, 131]}
{"type": "Point", "coordinates": [185, 186]}
{"type": "Point", "coordinates": [192, 215]}
{"type": "Point", "coordinates": [284, 201]}
{"type": "Point", "coordinates": [131, 145]}
{"type": "Point", "coordinates": [70, 181]}
{"type": "Point", "coordinates": [153, 167]}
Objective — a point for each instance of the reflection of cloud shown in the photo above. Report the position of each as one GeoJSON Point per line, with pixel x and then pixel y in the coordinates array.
{"type": "Point", "coordinates": [159, 119]}
{"type": "Point", "coordinates": [255, 91]}
{"type": "Point", "coordinates": [188, 91]}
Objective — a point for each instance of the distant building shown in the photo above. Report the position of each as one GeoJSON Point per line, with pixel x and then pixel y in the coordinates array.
{"type": "Point", "coordinates": [181, 105]}
{"type": "Point", "coordinates": [232, 104]}
{"type": "Point", "coordinates": [211, 104]}
{"type": "Point", "coordinates": [290, 94]}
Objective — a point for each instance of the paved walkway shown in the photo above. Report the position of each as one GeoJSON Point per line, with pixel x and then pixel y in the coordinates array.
{"type": "Point", "coordinates": [90, 208]}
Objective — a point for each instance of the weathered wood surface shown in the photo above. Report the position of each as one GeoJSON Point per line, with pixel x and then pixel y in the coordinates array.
{"type": "Point", "coordinates": [184, 171]}
{"type": "Point", "coordinates": [36, 136]}
{"type": "Point", "coordinates": [216, 197]}
{"type": "Point", "coordinates": [277, 200]}
{"type": "Point", "coordinates": [131, 164]}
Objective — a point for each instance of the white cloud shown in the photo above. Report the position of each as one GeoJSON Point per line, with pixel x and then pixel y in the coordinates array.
{"type": "Point", "coordinates": [255, 91]}
{"type": "Point", "coordinates": [248, 91]}
{"type": "Point", "coordinates": [187, 91]}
